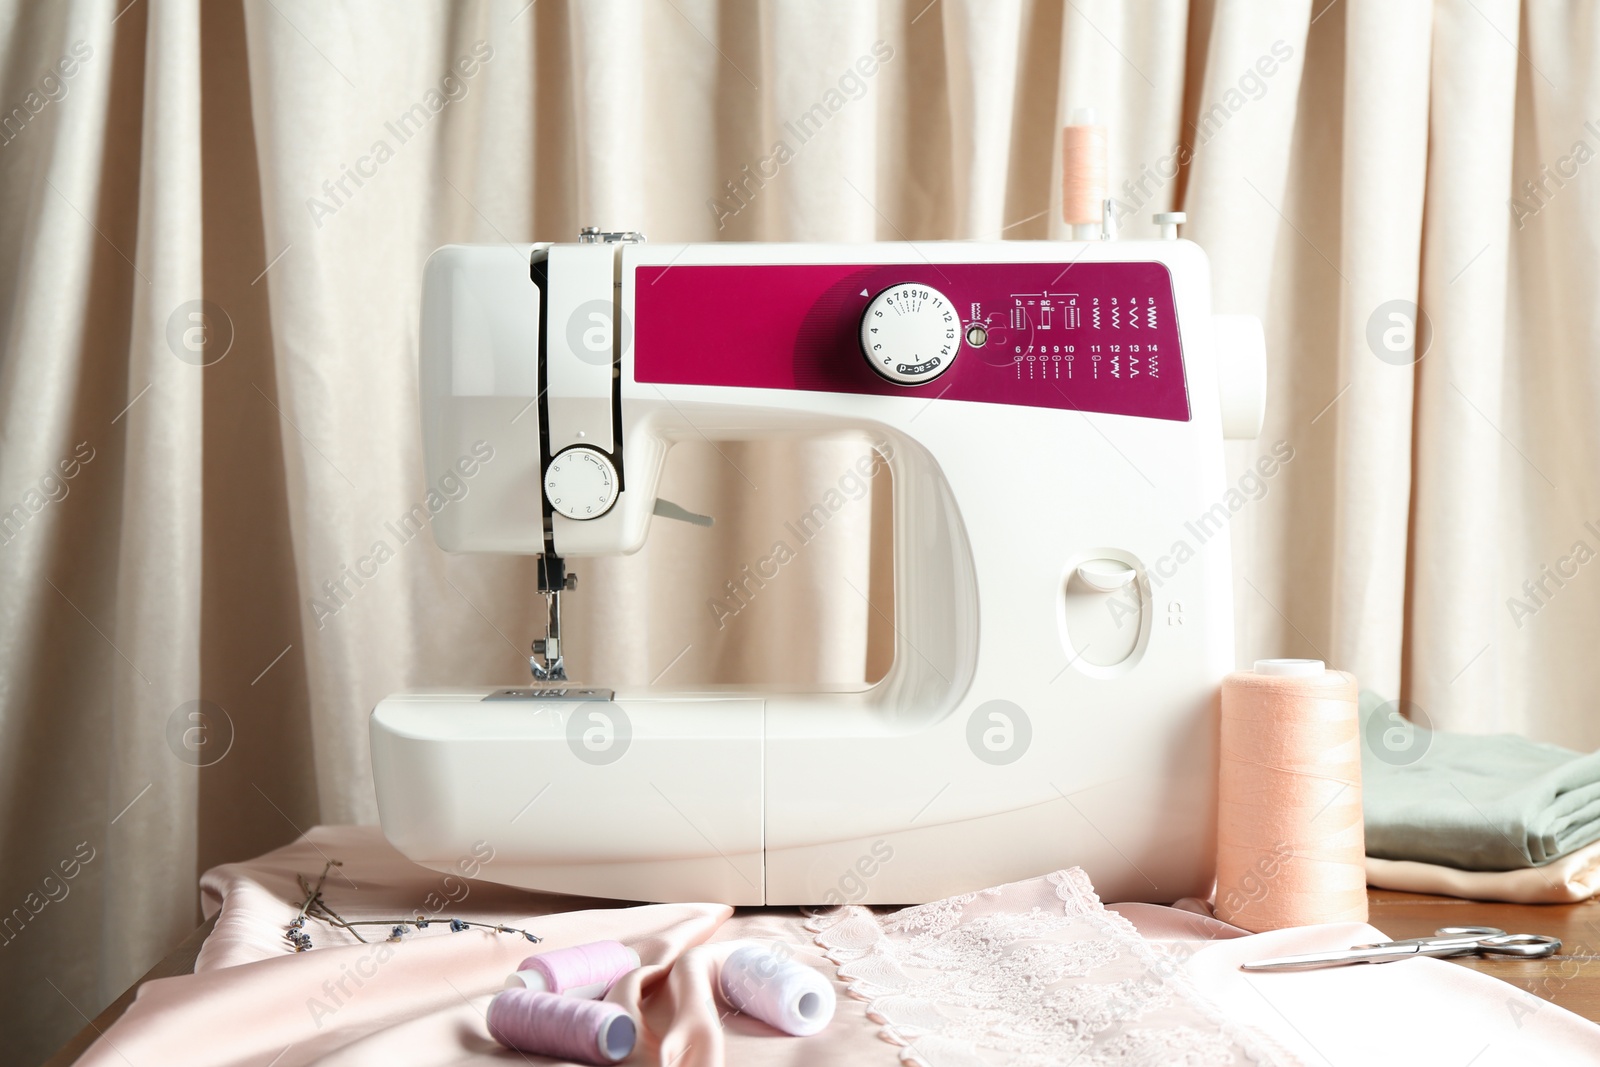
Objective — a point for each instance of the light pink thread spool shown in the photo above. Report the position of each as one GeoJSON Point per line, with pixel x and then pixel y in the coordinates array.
{"type": "Point", "coordinates": [586, 971]}
{"type": "Point", "coordinates": [1290, 837]}
{"type": "Point", "coordinates": [547, 1024]}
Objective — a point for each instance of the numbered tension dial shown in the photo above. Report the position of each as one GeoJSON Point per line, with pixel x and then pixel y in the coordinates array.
{"type": "Point", "coordinates": [910, 333]}
{"type": "Point", "coordinates": [581, 483]}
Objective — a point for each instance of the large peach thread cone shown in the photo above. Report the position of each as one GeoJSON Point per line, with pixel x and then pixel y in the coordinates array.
{"type": "Point", "coordinates": [1290, 846]}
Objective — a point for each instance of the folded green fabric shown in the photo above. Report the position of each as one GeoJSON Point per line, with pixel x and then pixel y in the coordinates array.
{"type": "Point", "coordinates": [1478, 802]}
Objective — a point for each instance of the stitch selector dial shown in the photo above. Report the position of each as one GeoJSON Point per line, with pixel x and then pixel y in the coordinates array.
{"type": "Point", "coordinates": [910, 333]}
{"type": "Point", "coordinates": [581, 483]}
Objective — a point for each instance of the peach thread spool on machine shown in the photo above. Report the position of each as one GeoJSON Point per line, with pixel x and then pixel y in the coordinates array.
{"type": "Point", "coordinates": [1085, 178]}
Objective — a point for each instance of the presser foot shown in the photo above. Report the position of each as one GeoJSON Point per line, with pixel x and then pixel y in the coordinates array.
{"type": "Point", "coordinates": [545, 669]}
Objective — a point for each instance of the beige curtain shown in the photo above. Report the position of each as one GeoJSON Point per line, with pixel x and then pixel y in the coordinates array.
{"type": "Point", "coordinates": [207, 388]}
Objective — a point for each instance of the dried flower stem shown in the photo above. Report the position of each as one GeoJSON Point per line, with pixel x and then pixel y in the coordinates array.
{"type": "Point", "coordinates": [314, 907]}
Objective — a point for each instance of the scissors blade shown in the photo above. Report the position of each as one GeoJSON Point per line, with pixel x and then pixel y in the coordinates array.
{"type": "Point", "coordinates": [1463, 935]}
{"type": "Point", "coordinates": [1313, 960]}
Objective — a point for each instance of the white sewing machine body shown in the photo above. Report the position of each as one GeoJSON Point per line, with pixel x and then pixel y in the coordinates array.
{"type": "Point", "coordinates": [1063, 605]}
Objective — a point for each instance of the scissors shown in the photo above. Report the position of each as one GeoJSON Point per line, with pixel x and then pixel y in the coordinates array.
{"type": "Point", "coordinates": [1445, 942]}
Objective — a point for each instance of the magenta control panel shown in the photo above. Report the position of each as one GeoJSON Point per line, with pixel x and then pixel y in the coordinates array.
{"type": "Point", "coordinates": [1100, 337]}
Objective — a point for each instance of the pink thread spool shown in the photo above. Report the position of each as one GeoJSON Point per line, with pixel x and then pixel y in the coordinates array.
{"type": "Point", "coordinates": [548, 1024]}
{"type": "Point", "coordinates": [586, 971]}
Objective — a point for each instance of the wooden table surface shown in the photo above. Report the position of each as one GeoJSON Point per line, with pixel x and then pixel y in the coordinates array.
{"type": "Point", "coordinates": [1570, 978]}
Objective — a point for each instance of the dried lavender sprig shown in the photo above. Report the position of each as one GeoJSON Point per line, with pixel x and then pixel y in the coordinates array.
{"type": "Point", "coordinates": [316, 907]}
{"type": "Point", "coordinates": [296, 933]}
{"type": "Point", "coordinates": [456, 926]}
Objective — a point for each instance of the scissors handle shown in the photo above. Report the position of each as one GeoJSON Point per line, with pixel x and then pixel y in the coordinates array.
{"type": "Point", "coordinates": [1520, 946]}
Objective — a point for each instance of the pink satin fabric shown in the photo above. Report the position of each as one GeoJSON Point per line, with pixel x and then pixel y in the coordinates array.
{"type": "Point", "coordinates": [254, 1002]}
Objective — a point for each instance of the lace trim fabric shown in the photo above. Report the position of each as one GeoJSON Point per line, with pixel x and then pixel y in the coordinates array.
{"type": "Point", "coordinates": [1034, 973]}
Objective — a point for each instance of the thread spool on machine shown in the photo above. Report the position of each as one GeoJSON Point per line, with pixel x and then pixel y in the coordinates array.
{"type": "Point", "coordinates": [1086, 204]}
{"type": "Point", "coordinates": [1084, 178]}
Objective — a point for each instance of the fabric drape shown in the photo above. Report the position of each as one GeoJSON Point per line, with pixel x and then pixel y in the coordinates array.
{"type": "Point", "coordinates": [211, 250]}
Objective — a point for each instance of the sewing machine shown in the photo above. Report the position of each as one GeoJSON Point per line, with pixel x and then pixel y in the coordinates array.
{"type": "Point", "coordinates": [1052, 417]}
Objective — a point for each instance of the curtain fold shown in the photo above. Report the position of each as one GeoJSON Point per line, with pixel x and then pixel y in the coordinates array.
{"type": "Point", "coordinates": [981, 49]}
{"type": "Point", "coordinates": [1384, 161]}
{"type": "Point", "coordinates": [63, 387]}
{"type": "Point", "coordinates": [1550, 452]}
{"type": "Point", "coordinates": [1456, 601]}
{"type": "Point", "coordinates": [831, 192]}
{"type": "Point", "coordinates": [226, 543]}
{"type": "Point", "coordinates": [1234, 153]}
{"type": "Point", "coordinates": [156, 620]}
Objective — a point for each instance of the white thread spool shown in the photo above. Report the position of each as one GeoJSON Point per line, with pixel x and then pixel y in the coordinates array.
{"type": "Point", "coordinates": [778, 991]}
